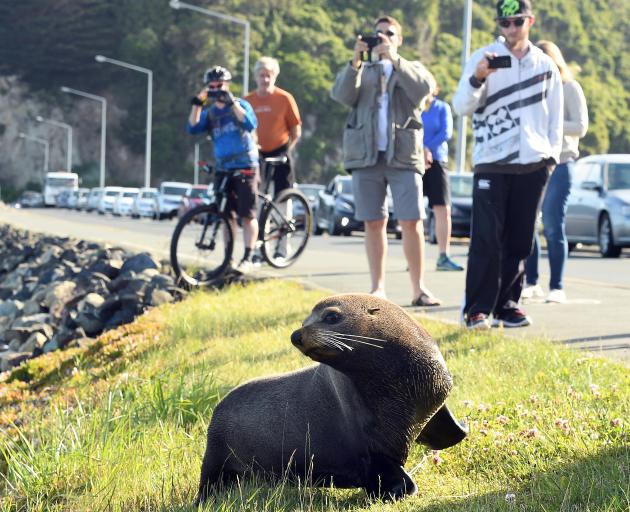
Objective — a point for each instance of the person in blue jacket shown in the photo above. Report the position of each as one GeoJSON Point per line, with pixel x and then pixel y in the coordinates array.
{"type": "Point", "coordinates": [231, 123]}
{"type": "Point", "coordinates": [438, 130]}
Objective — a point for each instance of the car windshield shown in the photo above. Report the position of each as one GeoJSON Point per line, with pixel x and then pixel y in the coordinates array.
{"type": "Point", "coordinates": [461, 186]}
{"type": "Point", "coordinates": [60, 182]}
{"type": "Point", "coordinates": [310, 192]}
{"type": "Point", "coordinates": [112, 193]}
{"type": "Point", "coordinates": [346, 186]}
{"type": "Point", "coordinates": [618, 176]}
{"type": "Point", "coordinates": [148, 195]}
{"type": "Point", "coordinates": [130, 194]}
{"type": "Point", "coordinates": [199, 193]}
{"type": "Point", "coordinates": [174, 191]}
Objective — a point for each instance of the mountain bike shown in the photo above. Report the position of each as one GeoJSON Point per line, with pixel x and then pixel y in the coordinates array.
{"type": "Point", "coordinates": [203, 241]}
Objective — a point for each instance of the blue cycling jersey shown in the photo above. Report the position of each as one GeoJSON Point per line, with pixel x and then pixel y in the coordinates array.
{"type": "Point", "coordinates": [234, 145]}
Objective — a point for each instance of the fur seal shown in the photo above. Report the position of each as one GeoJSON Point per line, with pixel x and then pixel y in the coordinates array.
{"type": "Point", "coordinates": [350, 420]}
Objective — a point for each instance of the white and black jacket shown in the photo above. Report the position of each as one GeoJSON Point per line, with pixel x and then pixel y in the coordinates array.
{"type": "Point", "coordinates": [517, 112]}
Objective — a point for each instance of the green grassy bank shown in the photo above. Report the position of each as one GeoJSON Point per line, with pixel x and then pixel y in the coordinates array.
{"type": "Point", "coordinates": [120, 425]}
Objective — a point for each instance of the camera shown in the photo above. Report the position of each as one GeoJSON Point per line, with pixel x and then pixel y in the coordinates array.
{"type": "Point", "coordinates": [371, 42]}
{"type": "Point", "coordinates": [220, 95]}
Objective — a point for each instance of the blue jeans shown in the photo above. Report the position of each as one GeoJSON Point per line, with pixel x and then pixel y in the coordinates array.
{"type": "Point", "coordinates": [554, 210]}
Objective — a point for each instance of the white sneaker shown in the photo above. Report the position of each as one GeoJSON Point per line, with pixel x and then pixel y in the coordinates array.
{"type": "Point", "coordinates": [245, 267]}
{"type": "Point", "coordinates": [532, 291]}
{"type": "Point", "coordinates": [557, 296]}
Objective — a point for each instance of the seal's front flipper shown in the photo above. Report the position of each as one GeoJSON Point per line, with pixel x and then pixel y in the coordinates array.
{"type": "Point", "coordinates": [442, 431]}
{"type": "Point", "coordinates": [388, 480]}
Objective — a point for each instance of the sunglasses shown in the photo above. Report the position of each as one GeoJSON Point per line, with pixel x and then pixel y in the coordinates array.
{"type": "Point", "coordinates": [518, 22]}
{"type": "Point", "coordinates": [215, 87]}
{"type": "Point", "coordinates": [388, 33]}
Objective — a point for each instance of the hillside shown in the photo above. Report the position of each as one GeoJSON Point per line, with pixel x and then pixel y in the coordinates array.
{"type": "Point", "coordinates": [44, 45]}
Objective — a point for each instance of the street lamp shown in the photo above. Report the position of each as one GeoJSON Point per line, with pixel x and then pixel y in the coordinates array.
{"type": "Point", "coordinates": [176, 4]}
{"type": "Point", "coordinates": [196, 158]}
{"type": "Point", "coordinates": [103, 102]}
{"type": "Point", "coordinates": [460, 156]}
{"type": "Point", "coordinates": [149, 73]}
{"type": "Point", "coordinates": [40, 119]}
{"type": "Point", "coordinates": [46, 144]}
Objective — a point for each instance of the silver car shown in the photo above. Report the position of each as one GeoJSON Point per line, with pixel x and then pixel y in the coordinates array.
{"type": "Point", "coordinates": [598, 208]}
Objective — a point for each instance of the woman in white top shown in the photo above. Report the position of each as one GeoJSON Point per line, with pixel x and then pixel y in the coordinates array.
{"type": "Point", "coordinates": [555, 201]}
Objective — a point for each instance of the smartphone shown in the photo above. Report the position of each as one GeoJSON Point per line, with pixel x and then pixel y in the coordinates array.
{"type": "Point", "coordinates": [501, 61]}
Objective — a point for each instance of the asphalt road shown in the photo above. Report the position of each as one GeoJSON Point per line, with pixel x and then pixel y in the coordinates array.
{"type": "Point", "coordinates": [596, 316]}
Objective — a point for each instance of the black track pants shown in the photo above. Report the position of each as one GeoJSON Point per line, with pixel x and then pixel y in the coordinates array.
{"type": "Point", "coordinates": [505, 208]}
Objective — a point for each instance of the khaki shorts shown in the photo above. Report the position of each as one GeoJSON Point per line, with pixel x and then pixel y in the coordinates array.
{"type": "Point", "coordinates": [369, 185]}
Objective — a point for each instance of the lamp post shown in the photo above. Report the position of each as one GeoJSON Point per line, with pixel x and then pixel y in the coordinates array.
{"type": "Point", "coordinates": [149, 73]}
{"type": "Point", "coordinates": [196, 158]}
{"type": "Point", "coordinates": [176, 4]}
{"type": "Point", "coordinates": [103, 102]}
{"type": "Point", "coordinates": [460, 156]}
{"type": "Point", "coordinates": [40, 119]}
{"type": "Point", "coordinates": [46, 144]}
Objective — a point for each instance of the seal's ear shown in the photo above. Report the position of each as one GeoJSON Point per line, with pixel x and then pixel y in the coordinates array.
{"type": "Point", "coordinates": [442, 431]}
{"type": "Point", "coordinates": [373, 311]}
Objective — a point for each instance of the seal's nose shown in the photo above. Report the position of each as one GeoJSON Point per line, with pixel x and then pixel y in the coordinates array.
{"type": "Point", "coordinates": [296, 338]}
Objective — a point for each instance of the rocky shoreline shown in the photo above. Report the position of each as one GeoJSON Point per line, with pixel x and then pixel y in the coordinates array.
{"type": "Point", "coordinates": [61, 292]}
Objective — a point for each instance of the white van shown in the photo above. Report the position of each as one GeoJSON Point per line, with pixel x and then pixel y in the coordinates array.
{"type": "Point", "coordinates": [106, 202]}
{"type": "Point", "coordinates": [144, 203]}
{"type": "Point", "coordinates": [57, 182]}
{"type": "Point", "coordinates": [169, 197]}
{"type": "Point", "coordinates": [93, 199]}
{"type": "Point", "coordinates": [124, 202]}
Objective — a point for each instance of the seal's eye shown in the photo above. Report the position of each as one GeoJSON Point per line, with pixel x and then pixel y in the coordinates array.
{"type": "Point", "coordinates": [331, 317]}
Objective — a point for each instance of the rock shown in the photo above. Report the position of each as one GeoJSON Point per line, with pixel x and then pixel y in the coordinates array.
{"type": "Point", "coordinates": [51, 346]}
{"type": "Point", "coordinates": [35, 341]}
{"type": "Point", "coordinates": [32, 307]}
{"type": "Point", "coordinates": [159, 297]}
{"type": "Point", "coordinates": [91, 302]}
{"type": "Point", "coordinates": [9, 360]}
{"type": "Point", "coordinates": [58, 295]}
{"type": "Point", "coordinates": [140, 262]}
{"type": "Point", "coordinates": [4, 347]}
{"type": "Point", "coordinates": [10, 308]}
{"type": "Point", "coordinates": [15, 344]}
{"type": "Point", "coordinates": [90, 322]}
{"type": "Point", "coordinates": [120, 317]}
{"type": "Point", "coordinates": [110, 268]}
{"type": "Point", "coordinates": [27, 321]}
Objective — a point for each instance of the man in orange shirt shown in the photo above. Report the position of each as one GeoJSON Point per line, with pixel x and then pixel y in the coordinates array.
{"type": "Point", "coordinates": [279, 123]}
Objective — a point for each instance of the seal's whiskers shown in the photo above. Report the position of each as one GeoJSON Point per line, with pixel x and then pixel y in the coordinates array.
{"type": "Point", "coordinates": [324, 339]}
{"type": "Point", "coordinates": [343, 337]}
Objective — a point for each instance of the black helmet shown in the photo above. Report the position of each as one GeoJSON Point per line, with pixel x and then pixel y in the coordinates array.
{"type": "Point", "coordinates": [216, 74]}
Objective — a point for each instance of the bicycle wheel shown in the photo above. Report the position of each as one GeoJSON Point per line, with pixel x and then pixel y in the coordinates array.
{"type": "Point", "coordinates": [201, 246]}
{"type": "Point", "coordinates": [285, 226]}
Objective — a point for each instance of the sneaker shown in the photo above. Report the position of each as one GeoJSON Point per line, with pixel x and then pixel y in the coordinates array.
{"type": "Point", "coordinates": [245, 266]}
{"type": "Point", "coordinates": [512, 318]}
{"type": "Point", "coordinates": [557, 296]}
{"type": "Point", "coordinates": [444, 262]}
{"type": "Point", "coordinates": [478, 321]}
{"type": "Point", "coordinates": [257, 260]}
{"type": "Point", "coordinates": [532, 291]}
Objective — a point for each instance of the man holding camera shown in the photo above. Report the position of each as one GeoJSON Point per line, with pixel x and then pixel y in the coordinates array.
{"type": "Point", "coordinates": [382, 145]}
{"type": "Point", "coordinates": [514, 93]}
{"type": "Point", "coordinates": [231, 123]}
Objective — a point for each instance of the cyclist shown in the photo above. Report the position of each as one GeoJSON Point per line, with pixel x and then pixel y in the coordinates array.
{"type": "Point", "coordinates": [231, 123]}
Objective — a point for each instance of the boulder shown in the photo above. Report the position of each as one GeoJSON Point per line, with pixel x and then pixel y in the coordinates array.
{"type": "Point", "coordinates": [140, 262]}
{"type": "Point", "coordinates": [35, 341]}
{"type": "Point", "coordinates": [159, 297]}
{"type": "Point", "coordinates": [10, 360]}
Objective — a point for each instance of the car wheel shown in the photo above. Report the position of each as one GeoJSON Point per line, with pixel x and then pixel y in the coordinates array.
{"type": "Point", "coordinates": [333, 227]}
{"type": "Point", "coordinates": [316, 229]}
{"type": "Point", "coordinates": [571, 246]}
{"type": "Point", "coordinates": [607, 246]}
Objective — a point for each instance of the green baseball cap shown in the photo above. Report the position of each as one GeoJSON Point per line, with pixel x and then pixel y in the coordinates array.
{"type": "Point", "coordinates": [514, 9]}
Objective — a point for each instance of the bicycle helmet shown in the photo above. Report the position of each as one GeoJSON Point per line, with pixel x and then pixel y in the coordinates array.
{"type": "Point", "coordinates": [216, 74]}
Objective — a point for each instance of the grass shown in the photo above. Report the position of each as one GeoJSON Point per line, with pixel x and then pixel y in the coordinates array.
{"type": "Point", "coordinates": [120, 425]}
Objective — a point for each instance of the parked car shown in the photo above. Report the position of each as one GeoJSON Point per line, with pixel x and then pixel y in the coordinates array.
{"type": "Point", "coordinates": [30, 199]}
{"type": "Point", "coordinates": [598, 207]}
{"type": "Point", "coordinates": [335, 210]}
{"type": "Point", "coordinates": [461, 208]}
{"type": "Point", "coordinates": [144, 203]}
{"type": "Point", "coordinates": [311, 191]}
{"type": "Point", "coordinates": [93, 199]}
{"type": "Point", "coordinates": [106, 202]}
{"type": "Point", "coordinates": [82, 199]}
{"type": "Point", "coordinates": [168, 199]}
{"type": "Point", "coordinates": [124, 202]}
{"type": "Point", "coordinates": [196, 195]}
{"type": "Point", "coordinates": [62, 199]}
